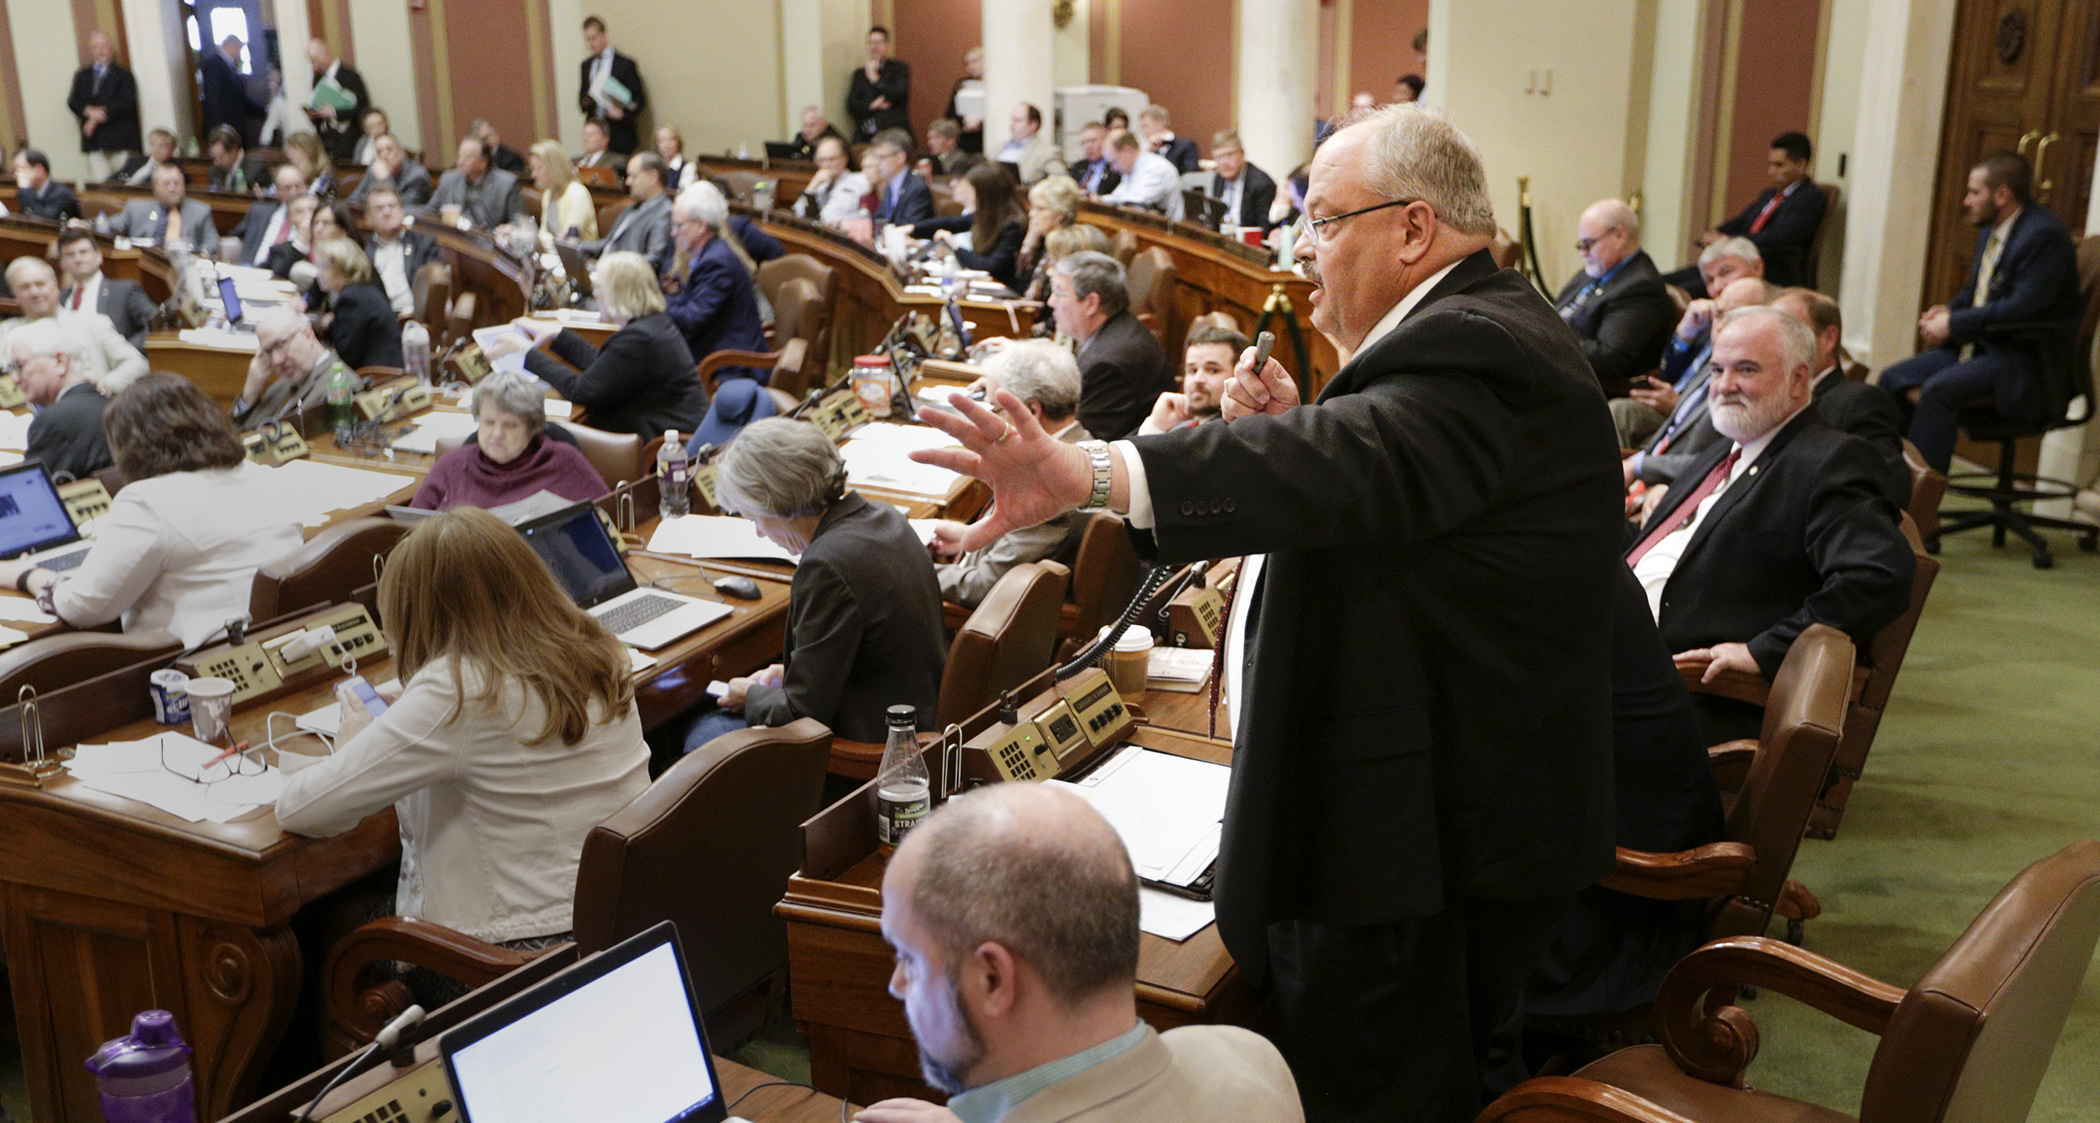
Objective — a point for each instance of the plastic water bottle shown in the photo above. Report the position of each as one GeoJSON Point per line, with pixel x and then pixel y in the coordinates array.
{"type": "Point", "coordinates": [342, 401]}
{"type": "Point", "coordinates": [675, 498]}
{"type": "Point", "coordinates": [144, 1077]}
{"type": "Point", "coordinates": [415, 350]}
{"type": "Point", "coordinates": [903, 791]}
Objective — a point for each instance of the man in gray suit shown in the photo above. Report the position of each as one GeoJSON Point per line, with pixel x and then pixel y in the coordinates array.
{"type": "Point", "coordinates": [391, 166]}
{"type": "Point", "coordinates": [488, 196]}
{"type": "Point", "coordinates": [645, 226]}
{"type": "Point", "coordinates": [170, 218]}
{"type": "Point", "coordinates": [86, 290]}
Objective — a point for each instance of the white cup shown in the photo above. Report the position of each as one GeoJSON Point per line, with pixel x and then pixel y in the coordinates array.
{"type": "Point", "coordinates": [1129, 663]}
{"type": "Point", "coordinates": [211, 710]}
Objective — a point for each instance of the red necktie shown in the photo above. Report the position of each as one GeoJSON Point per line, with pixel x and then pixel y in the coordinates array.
{"type": "Point", "coordinates": [1758, 224]}
{"type": "Point", "coordinates": [284, 231]}
{"type": "Point", "coordinates": [1690, 510]}
{"type": "Point", "coordinates": [78, 292]}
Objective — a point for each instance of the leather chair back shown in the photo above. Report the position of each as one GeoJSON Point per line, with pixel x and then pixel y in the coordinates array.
{"type": "Point", "coordinates": [610, 213]}
{"type": "Point", "coordinates": [1970, 1042]}
{"type": "Point", "coordinates": [709, 846]}
{"type": "Point", "coordinates": [431, 299]}
{"type": "Point", "coordinates": [1928, 485]}
{"type": "Point", "coordinates": [777, 272]}
{"type": "Point", "coordinates": [1804, 716]}
{"type": "Point", "coordinates": [67, 658]}
{"type": "Point", "coordinates": [1105, 575]}
{"type": "Point", "coordinates": [1507, 251]}
{"type": "Point", "coordinates": [1153, 280]}
{"type": "Point", "coordinates": [459, 323]}
{"type": "Point", "coordinates": [798, 311]}
{"type": "Point", "coordinates": [326, 570]}
{"type": "Point", "coordinates": [741, 182]}
{"type": "Point", "coordinates": [529, 196]}
{"type": "Point", "coordinates": [1882, 660]}
{"type": "Point", "coordinates": [944, 201]}
{"type": "Point", "coordinates": [1008, 639]}
{"type": "Point", "coordinates": [617, 456]}
{"type": "Point", "coordinates": [1124, 247]}
{"type": "Point", "coordinates": [1815, 244]}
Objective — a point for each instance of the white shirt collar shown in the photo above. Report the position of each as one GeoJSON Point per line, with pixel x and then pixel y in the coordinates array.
{"type": "Point", "coordinates": [1834, 368]}
{"type": "Point", "coordinates": [328, 75]}
{"type": "Point", "coordinates": [2003, 230]}
{"type": "Point", "coordinates": [1392, 318]}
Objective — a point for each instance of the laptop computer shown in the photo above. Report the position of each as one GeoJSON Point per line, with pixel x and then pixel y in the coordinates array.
{"type": "Point", "coordinates": [34, 521]}
{"type": "Point", "coordinates": [614, 1039]}
{"type": "Point", "coordinates": [1203, 208]}
{"type": "Point", "coordinates": [576, 265]}
{"type": "Point", "coordinates": [782, 150]}
{"type": "Point", "coordinates": [587, 564]}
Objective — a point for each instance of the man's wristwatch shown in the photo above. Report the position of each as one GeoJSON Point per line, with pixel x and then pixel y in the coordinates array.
{"type": "Point", "coordinates": [1097, 452]}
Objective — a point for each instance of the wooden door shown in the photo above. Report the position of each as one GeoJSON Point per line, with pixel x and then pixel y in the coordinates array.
{"type": "Point", "coordinates": [2024, 72]}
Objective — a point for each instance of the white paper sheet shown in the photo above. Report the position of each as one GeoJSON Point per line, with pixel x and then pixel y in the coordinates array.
{"type": "Point", "coordinates": [1170, 917]}
{"type": "Point", "coordinates": [312, 491]}
{"type": "Point", "coordinates": [225, 340]}
{"type": "Point", "coordinates": [433, 426]}
{"type": "Point", "coordinates": [883, 465]}
{"type": "Point", "coordinates": [14, 430]}
{"type": "Point", "coordinates": [147, 771]}
{"type": "Point", "coordinates": [23, 610]}
{"type": "Point", "coordinates": [714, 536]}
{"type": "Point", "coordinates": [1168, 809]}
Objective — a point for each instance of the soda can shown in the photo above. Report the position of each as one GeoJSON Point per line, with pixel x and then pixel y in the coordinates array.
{"type": "Point", "coordinates": [171, 696]}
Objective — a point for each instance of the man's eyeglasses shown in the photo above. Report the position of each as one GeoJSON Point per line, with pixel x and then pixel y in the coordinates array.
{"type": "Point", "coordinates": [1315, 228]}
{"type": "Point", "coordinates": [270, 349]}
{"type": "Point", "coordinates": [1582, 245]}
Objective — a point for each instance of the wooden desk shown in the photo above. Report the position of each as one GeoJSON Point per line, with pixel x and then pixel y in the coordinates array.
{"type": "Point", "coordinates": [860, 1046]}
{"type": "Point", "coordinates": [149, 266]}
{"type": "Point", "coordinates": [220, 372]}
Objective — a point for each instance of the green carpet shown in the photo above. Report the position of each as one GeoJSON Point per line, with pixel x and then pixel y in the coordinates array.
{"type": "Point", "coordinates": [1988, 760]}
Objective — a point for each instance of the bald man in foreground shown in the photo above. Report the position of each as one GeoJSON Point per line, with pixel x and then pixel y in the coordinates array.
{"type": "Point", "coordinates": [1014, 914]}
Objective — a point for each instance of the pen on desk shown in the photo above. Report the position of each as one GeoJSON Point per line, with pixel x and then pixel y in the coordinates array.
{"type": "Point", "coordinates": [238, 747]}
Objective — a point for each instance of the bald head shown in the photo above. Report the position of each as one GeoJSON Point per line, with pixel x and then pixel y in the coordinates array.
{"type": "Point", "coordinates": [1744, 292]}
{"type": "Point", "coordinates": [1607, 233]}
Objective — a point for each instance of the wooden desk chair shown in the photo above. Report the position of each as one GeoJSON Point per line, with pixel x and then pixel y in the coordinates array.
{"type": "Point", "coordinates": [1153, 277]}
{"type": "Point", "coordinates": [709, 846]}
{"type": "Point", "coordinates": [459, 322]}
{"type": "Point", "coordinates": [529, 197]}
{"type": "Point", "coordinates": [610, 214]}
{"type": "Point", "coordinates": [1507, 251]}
{"type": "Point", "coordinates": [430, 300]}
{"type": "Point", "coordinates": [1814, 256]}
{"type": "Point", "coordinates": [1105, 574]}
{"type": "Point", "coordinates": [67, 658]}
{"type": "Point", "coordinates": [333, 563]}
{"type": "Point", "coordinates": [945, 205]}
{"type": "Point", "coordinates": [777, 272]}
{"type": "Point", "coordinates": [1968, 1043]}
{"type": "Point", "coordinates": [1124, 246]}
{"type": "Point", "coordinates": [1005, 642]}
{"type": "Point", "coordinates": [786, 364]}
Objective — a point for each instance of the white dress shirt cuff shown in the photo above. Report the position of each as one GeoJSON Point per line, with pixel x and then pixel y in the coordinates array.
{"type": "Point", "coordinates": [1140, 491]}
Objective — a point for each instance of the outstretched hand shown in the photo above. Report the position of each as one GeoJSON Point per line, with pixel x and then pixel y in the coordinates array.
{"type": "Point", "coordinates": [1034, 476]}
{"type": "Point", "coordinates": [1269, 390]}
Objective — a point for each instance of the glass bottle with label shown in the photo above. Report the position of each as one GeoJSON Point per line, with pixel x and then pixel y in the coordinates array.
{"type": "Point", "coordinates": [903, 790]}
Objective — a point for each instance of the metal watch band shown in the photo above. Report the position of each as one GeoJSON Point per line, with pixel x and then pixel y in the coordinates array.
{"type": "Point", "coordinates": [1097, 451]}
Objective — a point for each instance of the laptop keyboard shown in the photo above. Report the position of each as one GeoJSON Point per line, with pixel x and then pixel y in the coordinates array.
{"type": "Point", "coordinates": [637, 612]}
{"type": "Point", "coordinates": [63, 562]}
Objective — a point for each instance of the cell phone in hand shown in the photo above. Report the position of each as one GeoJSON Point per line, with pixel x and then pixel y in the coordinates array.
{"type": "Point", "coordinates": [362, 690]}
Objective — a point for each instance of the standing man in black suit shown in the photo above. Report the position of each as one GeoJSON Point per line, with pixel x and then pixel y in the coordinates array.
{"type": "Point", "coordinates": [227, 99]}
{"type": "Point", "coordinates": [1122, 368]}
{"type": "Point", "coordinates": [105, 99]}
{"type": "Point", "coordinates": [612, 88]}
{"type": "Point", "coordinates": [1783, 525]}
{"type": "Point", "coordinates": [338, 127]}
{"type": "Point", "coordinates": [1421, 663]}
{"type": "Point", "coordinates": [126, 304]}
{"type": "Point", "coordinates": [880, 95]}
{"type": "Point", "coordinates": [2026, 270]}
{"type": "Point", "coordinates": [36, 193]}
{"type": "Point", "coordinates": [1782, 220]}
{"type": "Point", "coordinates": [1248, 191]}
{"type": "Point", "coordinates": [1863, 410]}
{"type": "Point", "coordinates": [1616, 304]}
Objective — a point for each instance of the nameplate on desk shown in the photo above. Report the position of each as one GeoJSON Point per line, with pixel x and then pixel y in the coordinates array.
{"type": "Point", "coordinates": [393, 401]}
{"type": "Point", "coordinates": [11, 396]}
{"type": "Point", "coordinates": [704, 483]}
{"type": "Point", "coordinates": [85, 499]}
{"type": "Point", "coordinates": [839, 414]}
{"type": "Point", "coordinates": [273, 444]}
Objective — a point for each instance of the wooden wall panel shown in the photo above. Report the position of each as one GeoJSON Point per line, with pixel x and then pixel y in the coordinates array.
{"type": "Point", "coordinates": [1180, 53]}
{"type": "Point", "coordinates": [1775, 80]}
{"type": "Point", "coordinates": [932, 35]}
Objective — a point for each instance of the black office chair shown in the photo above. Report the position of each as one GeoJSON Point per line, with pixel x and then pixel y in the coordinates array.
{"type": "Point", "coordinates": [2068, 369]}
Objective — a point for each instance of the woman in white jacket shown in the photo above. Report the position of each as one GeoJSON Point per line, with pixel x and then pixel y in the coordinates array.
{"type": "Point", "coordinates": [515, 732]}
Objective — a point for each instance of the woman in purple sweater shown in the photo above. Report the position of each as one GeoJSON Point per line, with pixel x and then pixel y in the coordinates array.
{"type": "Point", "coordinates": [513, 457]}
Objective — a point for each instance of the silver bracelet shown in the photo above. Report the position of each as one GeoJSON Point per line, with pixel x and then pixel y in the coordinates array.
{"type": "Point", "coordinates": [1097, 451]}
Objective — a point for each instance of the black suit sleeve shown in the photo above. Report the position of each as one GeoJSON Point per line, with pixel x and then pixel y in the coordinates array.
{"type": "Point", "coordinates": [829, 624]}
{"type": "Point", "coordinates": [138, 315]}
{"type": "Point", "coordinates": [1853, 539]}
{"type": "Point", "coordinates": [1795, 223]}
{"type": "Point", "coordinates": [610, 376]}
{"type": "Point", "coordinates": [1258, 200]}
{"type": "Point", "coordinates": [1000, 258]}
{"type": "Point", "coordinates": [1624, 344]}
{"type": "Point", "coordinates": [365, 332]}
{"type": "Point", "coordinates": [632, 77]}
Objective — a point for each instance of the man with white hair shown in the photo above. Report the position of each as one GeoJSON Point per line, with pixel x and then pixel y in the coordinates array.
{"type": "Point", "coordinates": [290, 371]}
{"type": "Point", "coordinates": [66, 435]}
{"type": "Point", "coordinates": [1783, 525]}
{"type": "Point", "coordinates": [710, 294]}
{"type": "Point", "coordinates": [108, 360]}
{"type": "Point", "coordinates": [1437, 536]}
{"type": "Point", "coordinates": [1046, 379]}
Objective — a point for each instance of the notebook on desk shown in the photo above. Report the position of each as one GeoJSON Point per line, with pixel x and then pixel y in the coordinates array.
{"type": "Point", "coordinates": [586, 563]}
{"type": "Point", "coordinates": [34, 521]}
{"type": "Point", "coordinates": [614, 1039]}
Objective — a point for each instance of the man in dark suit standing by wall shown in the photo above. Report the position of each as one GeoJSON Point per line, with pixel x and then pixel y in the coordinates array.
{"type": "Point", "coordinates": [1616, 304]}
{"type": "Point", "coordinates": [1782, 221]}
{"type": "Point", "coordinates": [612, 88]}
{"type": "Point", "coordinates": [126, 304]}
{"type": "Point", "coordinates": [227, 100]}
{"type": "Point", "coordinates": [1422, 770]}
{"type": "Point", "coordinates": [334, 81]}
{"type": "Point", "coordinates": [105, 99]}
{"type": "Point", "coordinates": [1248, 191]}
{"type": "Point", "coordinates": [2025, 270]}
{"type": "Point", "coordinates": [880, 95]}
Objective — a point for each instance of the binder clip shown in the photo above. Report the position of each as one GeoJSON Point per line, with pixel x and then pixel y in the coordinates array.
{"type": "Point", "coordinates": [35, 767]}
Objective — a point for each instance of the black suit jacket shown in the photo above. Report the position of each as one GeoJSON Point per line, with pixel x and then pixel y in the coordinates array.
{"type": "Point", "coordinates": [67, 436]}
{"type": "Point", "coordinates": [1427, 705]}
{"type": "Point", "coordinates": [118, 93]}
{"type": "Point", "coordinates": [913, 205]}
{"type": "Point", "coordinates": [125, 303]}
{"type": "Point", "coordinates": [1099, 177]}
{"type": "Point", "coordinates": [508, 159]}
{"type": "Point", "coordinates": [641, 381]}
{"type": "Point", "coordinates": [863, 627]}
{"type": "Point", "coordinates": [623, 133]}
{"type": "Point", "coordinates": [1867, 412]}
{"type": "Point", "coordinates": [2036, 281]}
{"type": "Point", "coordinates": [365, 332]}
{"type": "Point", "coordinates": [1181, 152]}
{"type": "Point", "coordinates": [422, 250]}
{"type": "Point", "coordinates": [1122, 371]}
{"type": "Point", "coordinates": [1804, 536]}
{"type": "Point", "coordinates": [895, 84]}
{"type": "Point", "coordinates": [1784, 241]}
{"type": "Point", "coordinates": [253, 228]}
{"type": "Point", "coordinates": [55, 202]}
{"type": "Point", "coordinates": [1256, 198]}
{"type": "Point", "coordinates": [1624, 324]}
{"type": "Point", "coordinates": [225, 96]}
{"type": "Point", "coordinates": [341, 134]}
{"type": "Point", "coordinates": [252, 175]}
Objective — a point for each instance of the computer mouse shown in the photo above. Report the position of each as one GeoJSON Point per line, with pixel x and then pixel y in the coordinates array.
{"type": "Point", "coordinates": [742, 588]}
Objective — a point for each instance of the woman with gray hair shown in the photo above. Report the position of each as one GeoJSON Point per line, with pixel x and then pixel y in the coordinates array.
{"type": "Point", "coordinates": [864, 611]}
{"type": "Point", "coordinates": [642, 380]}
{"type": "Point", "coordinates": [511, 457]}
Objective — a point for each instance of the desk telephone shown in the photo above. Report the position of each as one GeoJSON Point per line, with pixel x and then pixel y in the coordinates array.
{"type": "Point", "coordinates": [322, 641]}
{"type": "Point", "coordinates": [11, 395]}
{"type": "Point", "coordinates": [84, 499]}
{"type": "Point", "coordinates": [394, 400]}
{"type": "Point", "coordinates": [274, 443]}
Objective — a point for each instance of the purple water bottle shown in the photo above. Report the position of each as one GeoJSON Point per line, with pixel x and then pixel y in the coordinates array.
{"type": "Point", "coordinates": [145, 1077]}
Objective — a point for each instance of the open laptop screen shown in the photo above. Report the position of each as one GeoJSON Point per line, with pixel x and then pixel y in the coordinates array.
{"type": "Point", "coordinates": [32, 517]}
{"type": "Point", "coordinates": [575, 546]}
{"type": "Point", "coordinates": [614, 1039]}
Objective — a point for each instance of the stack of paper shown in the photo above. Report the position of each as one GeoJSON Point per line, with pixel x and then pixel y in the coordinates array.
{"type": "Point", "coordinates": [433, 426]}
{"type": "Point", "coordinates": [1168, 811]}
{"type": "Point", "coordinates": [879, 456]}
{"type": "Point", "coordinates": [227, 340]}
{"type": "Point", "coordinates": [714, 536]}
{"type": "Point", "coordinates": [1185, 669]}
{"type": "Point", "coordinates": [160, 771]}
{"type": "Point", "coordinates": [311, 491]}
{"type": "Point", "coordinates": [23, 610]}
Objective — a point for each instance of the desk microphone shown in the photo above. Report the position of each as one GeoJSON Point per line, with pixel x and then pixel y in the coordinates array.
{"type": "Point", "coordinates": [387, 1038]}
